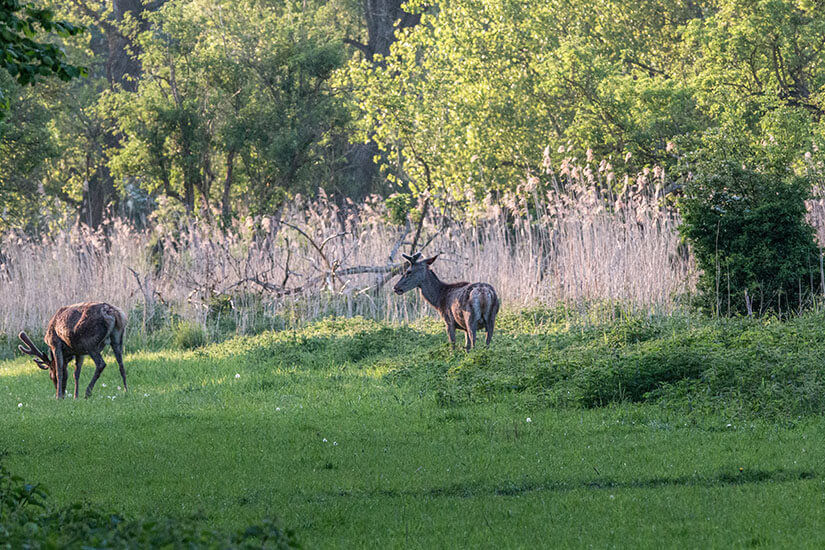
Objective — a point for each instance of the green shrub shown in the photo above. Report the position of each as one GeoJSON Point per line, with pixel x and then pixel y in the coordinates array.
{"type": "Point", "coordinates": [749, 234]}
{"type": "Point", "coordinates": [188, 335]}
{"type": "Point", "coordinates": [29, 520]}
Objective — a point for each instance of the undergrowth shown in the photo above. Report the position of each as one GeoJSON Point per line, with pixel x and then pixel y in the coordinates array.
{"type": "Point", "coordinates": [743, 368]}
{"type": "Point", "coordinates": [28, 519]}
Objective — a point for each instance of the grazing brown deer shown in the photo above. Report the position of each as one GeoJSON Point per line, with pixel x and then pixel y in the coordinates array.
{"type": "Point", "coordinates": [75, 331]}
{"type": "Point", "coordinates": [464, 306]}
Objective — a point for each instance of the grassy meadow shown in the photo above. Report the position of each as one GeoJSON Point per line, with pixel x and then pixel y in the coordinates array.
{"type": "Point", "coordinates": [644, 432]}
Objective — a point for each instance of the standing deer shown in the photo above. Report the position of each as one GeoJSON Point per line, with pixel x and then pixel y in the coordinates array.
{"type": "Point", "coordinates": [75, 331]}
{"type": "Point", "coordinates": [464, 306]}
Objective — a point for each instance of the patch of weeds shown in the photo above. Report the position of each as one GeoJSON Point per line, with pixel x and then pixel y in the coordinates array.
{"type": "Point", "coordinates": [630, 331]}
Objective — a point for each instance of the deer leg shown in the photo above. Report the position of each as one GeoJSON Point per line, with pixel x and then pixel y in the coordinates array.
{"type": "Point", "coordinates": [100, 364]}
{"type": "Point", "coordinates": [60, 372]}
{"type": "Point", "coordinates": [451, 333]}
{"type": "Point", "coordinates": [470, 336]}
{"type": "Point", "coordinates": [117, 347]}
{"type": "Point", "coordinates": [490, 323]}
{"type": "Point", "coordinates": [78, 362]}
{"type": "Point", "coordinates": [65, 378]}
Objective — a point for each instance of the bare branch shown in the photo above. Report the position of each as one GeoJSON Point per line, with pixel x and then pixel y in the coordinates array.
{"type": "Point", "coordinates": [333, 237]}
{"type": "Point", "coordinates": [311, 241]}
{"type": "Point", "coordinates": [286, 264]}
{"type": "Point", "coordinates": [424, 210]}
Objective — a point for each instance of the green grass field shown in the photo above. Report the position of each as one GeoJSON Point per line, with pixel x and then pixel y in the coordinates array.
{"type": "Point", "coordinates": [670, 433]}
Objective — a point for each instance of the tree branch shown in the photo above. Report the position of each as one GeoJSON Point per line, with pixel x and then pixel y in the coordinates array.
{"type": "Point", "coordinates": [365, 49]}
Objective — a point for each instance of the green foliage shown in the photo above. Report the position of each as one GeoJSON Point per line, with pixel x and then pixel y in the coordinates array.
{"type": "Point", "coordinates": [240, 106]}
{"type": "Point", "coordinates": [236, 89]}
{"type": "Point", "coordinates": [188, 335]}
{"type": "Point", "coordinates": [25, 146]}
{"type": "Point", "coordinates": [468, 100]}
{"type": "Point", "coordinates": [751, 239]}
{"type": "Point", "coordinates": [399, 206]}
{"type": "Point", "coordinates": [28, 519]}
{"type": "Point", "coordinates": [25, 58]}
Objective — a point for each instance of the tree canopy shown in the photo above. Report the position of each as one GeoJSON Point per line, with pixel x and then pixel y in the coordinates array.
{"type": "Point", "coordinates": [22, 54]}
{"type": "Point", "coordinates": [230, 108]}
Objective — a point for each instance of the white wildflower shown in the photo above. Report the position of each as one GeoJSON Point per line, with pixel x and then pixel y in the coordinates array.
{"type": "Point", "coordinates": [237, 375]}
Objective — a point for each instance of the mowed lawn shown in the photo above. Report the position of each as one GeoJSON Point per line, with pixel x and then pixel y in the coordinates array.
{"type": "Point", "coordinates": [341, 431]}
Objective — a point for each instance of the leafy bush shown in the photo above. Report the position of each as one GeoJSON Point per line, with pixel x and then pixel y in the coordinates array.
{"type": "Point", "coordinates": [29, 520]}
{"type": "Point", "coordinates": [189, 335]}
{"type": "Point", "coordinates": [749, 235]}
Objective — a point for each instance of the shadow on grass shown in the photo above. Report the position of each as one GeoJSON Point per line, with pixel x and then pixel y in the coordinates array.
{"type": "Point", "coordinates": [470, 490]}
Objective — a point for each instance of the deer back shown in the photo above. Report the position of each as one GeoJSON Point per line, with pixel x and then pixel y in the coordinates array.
{"type": "Point", "coordinates": [84, 327]}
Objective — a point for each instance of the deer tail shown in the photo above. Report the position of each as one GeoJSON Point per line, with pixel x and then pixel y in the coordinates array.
{"type": "Point", "coordinates": [120, 318]}
{"type": "Point", "coordinates": [117, 315]}
{"type": "Point", "coordinates": [480, 303]}
{"type": "Point", "coordinates": [489, 307]}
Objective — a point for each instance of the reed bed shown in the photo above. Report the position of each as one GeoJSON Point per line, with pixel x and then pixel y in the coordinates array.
{"type": "Point", "coordinates": [545, 244]}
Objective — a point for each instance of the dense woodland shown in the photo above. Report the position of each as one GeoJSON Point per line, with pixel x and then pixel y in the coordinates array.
{"type": "Point", "coordinates": [229, 109]}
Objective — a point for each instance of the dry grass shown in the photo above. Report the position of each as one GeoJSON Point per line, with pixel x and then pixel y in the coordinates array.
{"type": "Point", "coordinates": [549, 247]}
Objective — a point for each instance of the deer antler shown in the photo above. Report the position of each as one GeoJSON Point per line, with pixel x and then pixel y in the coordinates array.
{"type": "Point", "coordinates": [40, 358]}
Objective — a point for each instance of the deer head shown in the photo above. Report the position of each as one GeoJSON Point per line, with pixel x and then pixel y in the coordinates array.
{"type": "Point", "coordinates": [42, 360]}
{"type": "Point", "coordinates": [415, 273]}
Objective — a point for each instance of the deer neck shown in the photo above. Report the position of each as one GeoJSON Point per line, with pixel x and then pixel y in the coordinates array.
{"type": "Point", "coordinates": [433, 290]}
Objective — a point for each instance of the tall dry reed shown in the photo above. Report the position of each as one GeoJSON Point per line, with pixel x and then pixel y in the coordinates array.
{"type": "Point", "coordinates": [558, 240]}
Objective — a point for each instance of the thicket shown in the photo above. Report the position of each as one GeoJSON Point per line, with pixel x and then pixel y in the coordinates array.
{"type": "Point", "coordinates": [751, 239]}
{"type": "Point", "coordinates": [29, 519]}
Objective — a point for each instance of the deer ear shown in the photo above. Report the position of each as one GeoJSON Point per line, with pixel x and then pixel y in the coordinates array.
{"type": "Point", "coordinates": [429, 261]}
{"type": "Point", "coordinates": [408, 258]}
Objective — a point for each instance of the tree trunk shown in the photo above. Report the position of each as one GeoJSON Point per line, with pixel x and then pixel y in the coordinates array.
{"type": "Point", "coordinates": [226, 207]}
{"type": "Point", "coordinates": [122, 69]}
{"type": "Point", "coordinates": [380, 17]}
